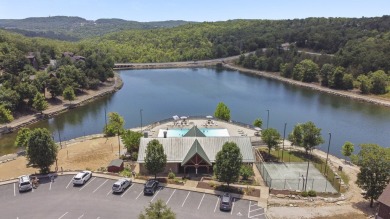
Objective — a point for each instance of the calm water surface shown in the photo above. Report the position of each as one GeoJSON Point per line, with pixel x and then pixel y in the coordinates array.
{"type": "Point", "coordinates": [162, 93]}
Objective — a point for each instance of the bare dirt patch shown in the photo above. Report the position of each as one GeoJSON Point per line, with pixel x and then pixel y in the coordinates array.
{"type": "Point", "coordinates": [88, 154]}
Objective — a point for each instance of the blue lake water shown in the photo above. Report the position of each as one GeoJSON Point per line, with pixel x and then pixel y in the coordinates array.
{"type": "Point", "coordinates": [162, 93]}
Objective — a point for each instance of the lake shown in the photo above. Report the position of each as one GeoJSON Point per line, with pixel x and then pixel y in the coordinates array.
{"type": "Point", "coordinates": [162, 93]}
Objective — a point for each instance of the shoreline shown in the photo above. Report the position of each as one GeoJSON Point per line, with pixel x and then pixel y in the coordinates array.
{"type": "Point", "coordinates": [54, 110]}
{"type": "Point", "coordinates": [347, 94]}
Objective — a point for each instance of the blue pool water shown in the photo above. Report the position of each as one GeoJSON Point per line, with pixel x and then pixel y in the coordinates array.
{"type": "Point", "coordinates": [182, 132]}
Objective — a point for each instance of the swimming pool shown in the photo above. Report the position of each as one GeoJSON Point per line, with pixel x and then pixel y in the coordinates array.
{"type": "Point", "coordinates": [181, 132]}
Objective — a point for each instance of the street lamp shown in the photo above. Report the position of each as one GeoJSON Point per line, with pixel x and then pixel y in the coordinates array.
{"type": "Point", "coordinates": [267, 117]}
{"type": "Point", "coordinates": [327, 154]}
{"type": "Point", "coordinates": [284, 136]}
{"type": "Point", "coordinates": [140, 112]}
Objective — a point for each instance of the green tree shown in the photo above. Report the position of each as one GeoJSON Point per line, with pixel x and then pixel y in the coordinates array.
{"type": "Point", "coordinates": [68, 94]}
{"type": "Point", "coordinates": [5, 115]}
{"type": "Point", "coordinates": [22, 137]}
{"type": "Point", "coordinates": [348, 82]}
{"type": "Point", "coordinates": [41, 149]}
{"type": "Point", "coordinates": [9, 98]}
{"type": "Point", "coordinates": [228, 163]}
{"type": "Point", "coordinates": [365, 84]}
{"type": "Point", "coordinates": [258, 123]}
{"type": "Point", "coordinates": [336, 79]}
{"type": "Point", "coordinates": [347, 149]}
{"type": "Point", "coordinates": [246, 171]}
{"type": "Point", "coordinates": [157, 210]}
{"type": "Point", "coordinates": [307, 70]}
{"type": "Point", "coordinates": [271, 137]}
{"type": "Point", "coordinates": [131, 140]}
{"type": "Point", "coordinates": [155, 158]}
{"type": "Point", "coordinates": [222, 112]}
{"type": "Point", "coordinates": [40, 103]}
{"type": "Point", "coordinates": [379, 81]}
{"type": "Point", "coordinates": [115, 126]}
{"type": "Point", "coordinates": [306, 135]}
{"type": "Point", "coordinates": [326, 72]}
{"type": "Point", "coordinates": [54, 87]}
{"type": "Point", "coordinates": [374, 175]}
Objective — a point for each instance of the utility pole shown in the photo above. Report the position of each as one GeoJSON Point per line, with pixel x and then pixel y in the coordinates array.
{"type": "Point", "coordinates": [267, 117]}
{"type": "Point", "coordinates": [284, 137]}
{"type": "Point", "coordinates": [140, 112]}
{"type": "Point", "coordinates": [327, 154]}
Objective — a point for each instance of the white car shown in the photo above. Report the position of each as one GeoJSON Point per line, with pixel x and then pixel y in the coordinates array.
{"type": "Point", "coordinates": [82, 177]}
{"type": "Point", "coordinates": [121, 185]}
{"type": "Point", "coordinates": [24, 183]}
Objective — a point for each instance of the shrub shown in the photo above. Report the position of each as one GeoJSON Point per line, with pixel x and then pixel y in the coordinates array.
{"type": "Point", "coordinates": [171, 175]}
{"type": "Point", "coordinates": [246, 171]}
{"type": "Point", "coordinates": [134, 156]}
{"type": "Point", "coordinates": [304, 194]}
{"type": "Point", "coordinates": [312, 193]}
{"type": "Point", "coordinates": [126, 173]}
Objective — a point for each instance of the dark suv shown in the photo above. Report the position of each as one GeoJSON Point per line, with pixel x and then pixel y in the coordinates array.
{"type": "Point", "coordinates": [150, 187]}
{"type": "Point", "coordinates": [226, 202]}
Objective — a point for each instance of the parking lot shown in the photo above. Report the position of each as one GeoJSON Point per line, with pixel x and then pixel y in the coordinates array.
{"type": "Point", "coordinates": [61, 200]}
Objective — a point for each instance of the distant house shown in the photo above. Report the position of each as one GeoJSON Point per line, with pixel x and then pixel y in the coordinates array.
{"type": "Point", "coordinates": [73, 57]}
{"type": "Point", "coordinates": [115, 166]}
{"type": "Point", "coordinates": [194, 152]}
{"type": "Point", "coordinates": [384, 204]}
{"type": "Point", "coordinates": [33, 60]}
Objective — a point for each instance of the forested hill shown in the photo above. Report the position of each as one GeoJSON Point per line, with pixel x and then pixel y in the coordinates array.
{"type": "Point", "coordinates": [76, 28]}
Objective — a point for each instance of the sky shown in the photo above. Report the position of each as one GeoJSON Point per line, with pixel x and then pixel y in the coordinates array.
{"type": "Point", "coordinates": [193, 10]}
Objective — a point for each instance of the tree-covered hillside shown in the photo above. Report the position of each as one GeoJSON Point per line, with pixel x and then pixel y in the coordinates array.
{"type": "Point", "coordinates": [76, 28]}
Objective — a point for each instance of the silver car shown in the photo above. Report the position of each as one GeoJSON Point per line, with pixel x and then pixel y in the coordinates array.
{"type": "Point", "coordinates": [24, 183]}
{"type": "Point", "coordinates": [82, 177]}
{"type": "Point", "coordinates": [121, 185]}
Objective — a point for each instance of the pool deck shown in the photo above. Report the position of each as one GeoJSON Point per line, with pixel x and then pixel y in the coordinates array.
{"type": "Point", "coordinates": [233, 128]}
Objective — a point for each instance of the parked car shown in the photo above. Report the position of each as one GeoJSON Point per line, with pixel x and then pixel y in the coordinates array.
{"type": "Point", "coordinates": [82, 177]}
{"type": "Point", "coordinates": [121, 185]}
{"type": "Point", "coordinates": [226, 202]}
{"type": "Point", "coordinates": [24, 183]}
{"type": "Point", "coordinates": [150, 187]}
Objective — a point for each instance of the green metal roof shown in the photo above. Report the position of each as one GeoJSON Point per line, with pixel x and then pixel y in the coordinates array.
{"type": "Point", "coordinates": [196, 148]}
{"type": "Point", "coordinates": [194, 132]}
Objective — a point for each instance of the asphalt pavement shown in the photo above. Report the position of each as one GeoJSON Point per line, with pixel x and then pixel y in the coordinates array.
{"type": "Point", "coordinates": [62, 200]}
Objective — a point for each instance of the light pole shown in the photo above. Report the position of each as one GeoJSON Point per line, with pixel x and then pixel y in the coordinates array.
{"type": "Point", "coordinates": [140, 112]}
{"type": "Point", "coordinates": [307, 173]}
{"type": "Point", "coordinates": [267, 117]}
{"type": "Point", "coordinates": [327, 154]}
{"type": "Point", "coordinates": [284, 136]}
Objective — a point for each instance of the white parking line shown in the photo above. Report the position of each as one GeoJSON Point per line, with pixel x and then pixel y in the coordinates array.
{"type": "Point", "coordinates": [156, 194]}
{"type": "Point", "coordinates": [201, 200]}
{"type": "Point", "coordinates": [253, 216]}
{"type": "Point", "coordinates": [14, 189]}
{"type": "Point", "coordinates": [81, 216]}
{"type": "Point", "coordinates": [127, 190]}
{"type": "Point", "coordinates": [231, 211]}
{"type": "Point", "coordinates": [255, 210]}
{"type": "Point", "coordinates": [63, 215]}
{"type": "Point", "coordinates": [98, 218]}
{"type": "Point", "coordinates": [186, 198]}
{"type": "Point", "coordinates": [50, 185]}
{"type": "Point", "coordinates": [216, 204]}
{"type": "Point", "coordinates": [139, 195]}
{"type": "Point", "coordinates": [87, 183]}
{"type": "Point", "coordinates": [69, 183]}
{"type": "Point", "coordinates": [99, 186]}
{"type": "Point", "coordinates": [110, 191]}
{"type": "Point", "coordinates": [170, 196]}
{"type": "Point", "coordinates": [249, 208]}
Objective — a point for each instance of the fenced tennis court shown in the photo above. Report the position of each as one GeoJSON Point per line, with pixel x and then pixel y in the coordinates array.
{"type": "Point", "coordinates": [292, 176]}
